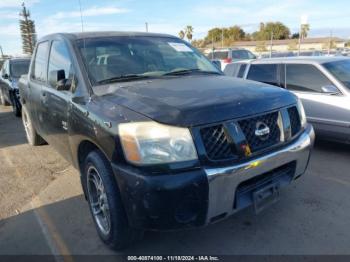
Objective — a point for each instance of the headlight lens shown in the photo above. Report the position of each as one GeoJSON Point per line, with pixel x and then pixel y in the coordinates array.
{"type": "Point", "coordinates": [302, 113]}
{"type": "Point", "coordinates": [146, 143]}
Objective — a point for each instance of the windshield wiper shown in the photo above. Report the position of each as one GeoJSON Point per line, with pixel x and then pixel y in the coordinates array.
{"type": "Point", "coordinates": [129, 77]}
{"type": "Point", "coordinates": [189, 71]}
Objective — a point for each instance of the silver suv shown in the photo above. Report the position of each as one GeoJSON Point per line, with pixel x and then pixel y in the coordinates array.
{"type": "Point", "coordinates": [322, 83]}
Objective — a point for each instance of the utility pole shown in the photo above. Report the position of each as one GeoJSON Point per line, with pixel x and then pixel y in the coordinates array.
{"type": "Point", "coordinates": [2, 53]}
{"type": "Point", "coordinates": [222, 37]}
{"type": "Point", "coordinates": [330, 42]}
{"type": "Point", "coordinates": [271, 43]}
{"type": "Point", "coordinates": [146, 27]}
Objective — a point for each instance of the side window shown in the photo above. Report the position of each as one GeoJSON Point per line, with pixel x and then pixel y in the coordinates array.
{"type": "Point", "coordinates": [305, 78]}
{"type": "Point", "coordinates": [60, 59]}
{"type": "Point", "coordinates": [39, 65]}
{"type": "Point", "coordinates": [241, 71]}
{"type": "Point", "coordinates": [266, 73]}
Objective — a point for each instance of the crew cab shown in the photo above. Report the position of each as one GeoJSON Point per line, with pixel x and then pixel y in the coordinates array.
{"type": "Point", "coordinates": [322, 84]}
{"type": "Point", "coordinates": [10, 73]}
{"type": "Point", "coordinates": [162, 139]}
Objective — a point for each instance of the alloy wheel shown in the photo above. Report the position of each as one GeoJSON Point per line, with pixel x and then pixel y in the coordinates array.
{"type": "Point", "coordinates": [98, 200]}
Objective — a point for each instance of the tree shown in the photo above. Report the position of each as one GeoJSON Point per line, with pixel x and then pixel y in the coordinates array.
{"type": "Point", "coordinates": [295, 36]}
{"type": "Point", "coordinates": [304, 30]}
{"type": "Point", "coordinates": [278, 29]}
{"type": "Point", "coordinates": [28, 34]}
{"type": "Point", "coordinates": [230, 34]}
{"type": "Point", "coordinates": [182, 34]}
{"type": "Point", "coordinates": [189, 32]}
{"type": "Point", "coordinates": [214, 35]}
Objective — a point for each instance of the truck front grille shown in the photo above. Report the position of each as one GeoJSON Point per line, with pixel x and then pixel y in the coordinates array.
{"type": "Point", "coordinates": [250, 125]}
{"type": "Point", "coordinates": [216, 143]}
{"type": "Point", "coordinates": [219, 142]}
{"type": "Point", "coordinates": [294, 120]}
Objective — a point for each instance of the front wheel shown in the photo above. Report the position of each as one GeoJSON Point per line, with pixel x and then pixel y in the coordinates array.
{"type": "Point", "coordinates": [105, 203]}
{"type": "Point", "coordinates": [32, 136]}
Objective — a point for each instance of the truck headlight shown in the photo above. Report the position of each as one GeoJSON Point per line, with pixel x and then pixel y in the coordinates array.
{"type": "Point", "coordinates": [301, 113]}
{"type": "Point", "coordinates": [146, 143]}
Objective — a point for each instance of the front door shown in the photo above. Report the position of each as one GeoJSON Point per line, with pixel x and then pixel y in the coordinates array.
{"type": "Point", "coordinates": [327, 112]}
{"type": "Point", "coordinates": [56, 104]}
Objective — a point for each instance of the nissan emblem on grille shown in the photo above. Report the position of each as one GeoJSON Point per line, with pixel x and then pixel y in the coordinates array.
{"type": "Point", "coordinates": [262, 130]}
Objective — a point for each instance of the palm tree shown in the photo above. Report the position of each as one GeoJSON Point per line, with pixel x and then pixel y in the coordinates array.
{"type": "Point", "coordinates": [189, 32]}
{"type": "Point", "coordinates": [182, 34]}
{"type": "Point", "coordinates": [305, 28]}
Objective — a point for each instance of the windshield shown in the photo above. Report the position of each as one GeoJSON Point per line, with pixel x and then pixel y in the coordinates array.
{"type": "Point", "coordinates": [340, 70]}
{"type": "Point", "coordinates": [19, 68]}
{"type": "Point", "coordinates": [133, 57]}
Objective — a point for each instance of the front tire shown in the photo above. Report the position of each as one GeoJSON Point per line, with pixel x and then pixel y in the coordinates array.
{"type": "Point", "coordinates": [105, 203]}
{"type": "Point", "coordinates": [32, 136]}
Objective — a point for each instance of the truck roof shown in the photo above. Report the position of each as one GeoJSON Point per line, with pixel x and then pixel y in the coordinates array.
{"type": "Point", "coordinates": [97, 34]}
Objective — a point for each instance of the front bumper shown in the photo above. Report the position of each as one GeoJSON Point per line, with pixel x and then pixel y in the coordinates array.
{"type": "Point", "coordinates": [201, 196]}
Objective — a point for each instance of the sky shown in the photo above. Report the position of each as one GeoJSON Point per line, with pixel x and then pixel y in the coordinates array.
{"type": "Point", "coordinates": [170, 16]}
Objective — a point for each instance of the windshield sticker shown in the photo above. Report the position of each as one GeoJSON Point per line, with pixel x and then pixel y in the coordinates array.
{"type": "Point", "coordinates": [180, 47]}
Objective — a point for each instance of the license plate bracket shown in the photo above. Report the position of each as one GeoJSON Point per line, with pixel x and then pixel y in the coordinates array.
{"type": "Point", "coordinates": [266, 196]}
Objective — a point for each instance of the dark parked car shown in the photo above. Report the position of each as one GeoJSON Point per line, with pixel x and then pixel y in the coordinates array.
{"type": "Point", "coordinates": [10, 73]}
{"type": "Point", "coordinates": [322, 83]}
{"type": "Point", "coordinates": [162, 139]}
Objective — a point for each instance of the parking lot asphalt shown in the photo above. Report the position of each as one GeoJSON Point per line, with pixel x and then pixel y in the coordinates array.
{"type": "Point", "coordinates": [43, 211]}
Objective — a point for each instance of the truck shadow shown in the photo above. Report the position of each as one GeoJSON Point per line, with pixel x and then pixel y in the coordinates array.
{"type": "Point", "coordinates": [69, 226]}
{"type": "Point", "coordinates": [11, 129]}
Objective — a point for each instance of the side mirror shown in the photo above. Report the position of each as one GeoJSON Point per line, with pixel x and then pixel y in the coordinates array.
{"type": "Point", "coordinates": [330, 89]}
{"type": "Point", "coordinates": [6, 76]}
{"type": "Point", "coordinates": [57, 79]}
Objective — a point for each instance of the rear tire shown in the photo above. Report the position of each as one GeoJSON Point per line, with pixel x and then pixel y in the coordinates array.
{"type": "Point", "coordinates": [3, 99]}
{"type": "Point", "coordinates": [105, 203]}
{"type": "Point", "coordinates": [32, 136]}
{"type": "Point", "coordinates": [16, 106]}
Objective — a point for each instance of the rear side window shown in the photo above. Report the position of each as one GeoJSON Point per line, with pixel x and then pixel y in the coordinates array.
{"type": "Point", "coordinates": [60, 59]}
{"type": "Point", "coordinates": [305, 78]}
{"type": "Point", "coordinates": [264, 73]}
{"type": "Point", "coordinates": [220, 55]}
{"type": "Point", "coordinates": [241, 71]}
{"type": "Point", "coordinates": [39, 67]}
{"type": "Point", "coordinates": [242, 54]}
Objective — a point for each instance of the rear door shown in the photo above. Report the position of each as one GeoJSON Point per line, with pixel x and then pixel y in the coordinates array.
{"type": "Point", "coordinates": [56, 104]}
{"type": "Point", "coordinates": [323, 110]}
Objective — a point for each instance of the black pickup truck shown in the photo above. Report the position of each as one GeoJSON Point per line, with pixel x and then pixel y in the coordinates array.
{"type": "Point", "coordinates": [162, 139]}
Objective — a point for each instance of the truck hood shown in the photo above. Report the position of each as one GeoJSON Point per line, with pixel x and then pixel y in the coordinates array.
{"type": "Point", "coordinates": [196, 100]}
